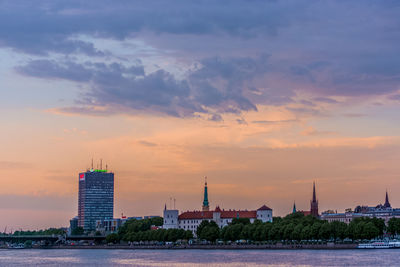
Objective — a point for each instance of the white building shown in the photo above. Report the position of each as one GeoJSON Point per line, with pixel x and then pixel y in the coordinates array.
{"type": "Point", "coordinates": [170, 219]}
{"type": "Point", "coordinates": [190, 220]}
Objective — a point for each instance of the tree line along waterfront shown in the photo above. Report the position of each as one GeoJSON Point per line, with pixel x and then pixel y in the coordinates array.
{"type": "Point", "coordinates": [293, 227]}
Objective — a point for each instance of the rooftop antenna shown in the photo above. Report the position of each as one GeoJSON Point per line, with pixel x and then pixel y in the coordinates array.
{"type": "Point", "coordinates": [92, 163]}
{"type": "Point", "coordinates": [106, 167]}
{"type": "Point", "coordinates": [101, 164]}
{"type": "Point", "coordinates": [174, 202]}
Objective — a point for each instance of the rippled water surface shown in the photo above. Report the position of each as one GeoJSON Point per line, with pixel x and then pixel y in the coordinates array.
{"type": "Point", "coordinates": [86, 257]}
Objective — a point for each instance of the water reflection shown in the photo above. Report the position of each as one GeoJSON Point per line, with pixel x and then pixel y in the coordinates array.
{"type": "Point", "coordinates": [232, 258]}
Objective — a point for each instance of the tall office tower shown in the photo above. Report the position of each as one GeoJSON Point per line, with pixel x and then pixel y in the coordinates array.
{"type": "Point", "coordinates": [96, 197]}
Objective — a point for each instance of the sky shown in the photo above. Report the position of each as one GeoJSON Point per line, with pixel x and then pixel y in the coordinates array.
{"type": "Point", "coordinates": [262, 97]}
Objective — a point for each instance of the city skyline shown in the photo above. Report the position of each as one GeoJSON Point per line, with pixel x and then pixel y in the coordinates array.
{"type": "Point", "coordinates": [263, 98]}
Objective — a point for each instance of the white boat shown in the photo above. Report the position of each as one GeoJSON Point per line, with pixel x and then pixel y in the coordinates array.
{"type": "Point", "coordinates": [395, 244]}
{"type": "Point", "coordinates": [378, 245]}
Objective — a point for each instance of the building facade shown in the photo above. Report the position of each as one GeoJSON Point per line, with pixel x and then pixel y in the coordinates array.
{"type": "Point", "coordinates": [385, 212]}
{"type": "Point", "coordinates": [96, 198]}
{"type": "Point", "coordinates": [107, 226]}
{"type": "Point", "coordinates": [190, 220]}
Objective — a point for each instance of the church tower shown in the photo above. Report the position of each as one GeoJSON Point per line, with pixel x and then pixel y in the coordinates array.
{"type": "Point", "coordinates": [206, 206]}
{"type": "Point", "coordinates": [294, 207]}
{"type": "Point", "coordinates": [314, 203]}
{"type": "Point", "coordinates": [387, 204]}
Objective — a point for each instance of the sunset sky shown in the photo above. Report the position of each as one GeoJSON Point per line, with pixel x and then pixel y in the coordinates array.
{"type": "Point", "coordinates": [262, 97]}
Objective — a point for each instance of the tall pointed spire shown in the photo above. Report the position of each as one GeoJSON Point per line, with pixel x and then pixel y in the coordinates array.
{"type": "Point", "coordinates": [206, 206]}
{"type": "Point", "coordinates": [294, 207]}
{"type": "Point", "coordinates": [314, 197]}
{"type": "Point", "coordinates": [314, 203]}
{"type": "Point", "coordinates": [387, 204]}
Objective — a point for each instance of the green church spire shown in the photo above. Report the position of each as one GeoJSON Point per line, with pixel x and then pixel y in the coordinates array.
{"type": "Point", "coordinates": [206, 206]}
{"type": "Point", "coordinates": [294, 207]}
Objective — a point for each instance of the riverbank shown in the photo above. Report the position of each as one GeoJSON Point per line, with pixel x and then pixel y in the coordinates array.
{"type": "Point", "coordinates": [206, 247]}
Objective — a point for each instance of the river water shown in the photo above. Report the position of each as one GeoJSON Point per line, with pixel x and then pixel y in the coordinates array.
{"type": "Point", "coordinates": [114, 257]}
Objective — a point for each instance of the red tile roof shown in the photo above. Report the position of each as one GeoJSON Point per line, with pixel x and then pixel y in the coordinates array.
{"type": "Point", "coordinates": [188, 215]}
{"type": "Point", "coordinates": [239, 214]}
{"type": "Point", "coordinates": [264, 208]}
{"type": "Point", "coordinates": [196, 215]}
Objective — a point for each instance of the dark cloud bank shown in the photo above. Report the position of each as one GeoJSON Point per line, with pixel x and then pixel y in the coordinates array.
{"type": "Point", "coordinates": [217, 86]}
{"type": "Point", "coordinates": [333, 48]}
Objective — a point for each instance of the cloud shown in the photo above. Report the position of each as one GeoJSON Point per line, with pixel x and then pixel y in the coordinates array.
{"type": "Point", "coordinates": [147, 143]}
{"type": "Point", "coordinates": [273, 122]}
{"type": "Point", "coordinates": [311, 131]}
{"type": "Point", "coordinates": [43, 27]}
{"type": "Point", "coordinates": [305, 46]}
{"type": "Point", "coordinates": [217, 85]}
{"type": "Point", "coordinates": [395, 97]}
{"type": "Point", "coordinates": [241, 121]}
{"type": "Point", "coordinates": [325, 100]}
{"type": "Point", "coordinates": [215, 117]}
{"type": "Point", "coordinates": [354, 115]}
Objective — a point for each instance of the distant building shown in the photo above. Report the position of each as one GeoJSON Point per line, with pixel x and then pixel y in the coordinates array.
{"type": "Point", "coordinates": [96, 198]}
{"type": "Point", "coordinates": [384, 212]}
{"type": "Point", "coordinates": [73, 224]}
{"type": "Point", "coordinates": [345, 217]}
{"type": "Point", "coordinates": [170, 218]}
{"type": "Point", "coordinates": [190, 220]}
{"type": "Point", "coordinates": [107, 226]}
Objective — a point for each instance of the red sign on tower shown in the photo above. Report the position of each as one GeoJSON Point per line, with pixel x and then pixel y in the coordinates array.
{"type": "Point", "coordinates": [81, 177]}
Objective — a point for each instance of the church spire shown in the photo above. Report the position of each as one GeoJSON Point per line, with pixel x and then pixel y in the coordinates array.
{"type": "Point", "coordinates": [294, 207]}
{"type": "Point", "coordinates": [314, 203]}
{"type": "Point", "coordinates": [314, 196]}
{"type": "Point", "coordinates": [387, 204]}
{"type": "Point", "coordinates": [206, 206]}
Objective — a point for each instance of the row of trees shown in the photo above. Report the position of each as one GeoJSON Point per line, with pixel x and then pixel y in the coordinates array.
{"type": "Point", "coordinates": [292, 227]}
{"type": "Point", "coordinates": [50, 231]}
{"type": "Point", "coordinates": [139, 230]}
{"type": "Point", "coordinates": [394, 226]}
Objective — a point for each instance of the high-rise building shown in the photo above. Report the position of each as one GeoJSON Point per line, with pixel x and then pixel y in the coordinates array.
{"type": "Point", "coordinates": [314, 203]}
{"type": "Point", "coordinates": [96, 197]}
